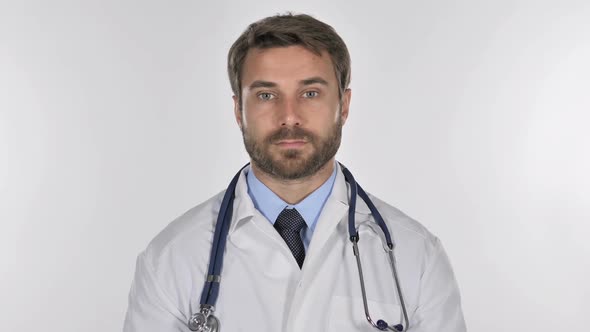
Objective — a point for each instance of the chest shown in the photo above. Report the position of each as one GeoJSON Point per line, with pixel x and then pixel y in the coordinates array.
{"type": "Point", "coordinates": [263, 289]}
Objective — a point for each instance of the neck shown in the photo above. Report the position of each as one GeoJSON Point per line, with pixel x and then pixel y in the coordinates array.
{"type": "Point", "coordinates": [294, 191]}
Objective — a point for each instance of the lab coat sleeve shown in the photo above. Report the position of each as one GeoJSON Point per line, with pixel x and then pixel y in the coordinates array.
{"type": "Point", "coordinates": [150, 308]}
{"type": "Point", "coordinates": [439, 307]}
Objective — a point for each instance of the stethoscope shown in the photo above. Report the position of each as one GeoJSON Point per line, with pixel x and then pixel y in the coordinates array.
{"type": "Point", "coordinates": [205, 321]}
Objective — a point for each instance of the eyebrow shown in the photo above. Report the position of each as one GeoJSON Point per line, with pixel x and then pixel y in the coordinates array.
{"type": "Point", "coordinates": [262, 84]}
{"type": "Point", "coordinates": [313, 80]}
{"type": "Point", "coordinates": [307, 81]}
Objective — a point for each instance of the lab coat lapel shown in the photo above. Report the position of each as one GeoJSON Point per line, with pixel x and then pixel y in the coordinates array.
{"type": "Point", "coordinates": [249, 224]}
{"type": "Point", "coordinates": [333, 212]}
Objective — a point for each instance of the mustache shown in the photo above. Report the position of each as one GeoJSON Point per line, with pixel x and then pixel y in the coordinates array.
{"type": "Point", "coordinates": [295, 133]}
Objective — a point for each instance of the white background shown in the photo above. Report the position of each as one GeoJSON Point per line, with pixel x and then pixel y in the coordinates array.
{"type": "Point", "coordinates": [470, 116]}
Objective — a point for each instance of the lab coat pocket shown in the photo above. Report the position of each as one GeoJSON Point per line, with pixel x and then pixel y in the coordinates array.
{"type": "Point", "coordinates": [347, 314]}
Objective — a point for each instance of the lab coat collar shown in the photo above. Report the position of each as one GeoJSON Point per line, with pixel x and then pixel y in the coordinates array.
{"type": "Point", "coordinates": [244, 207]}
{"type": "Point", "coordinates": [341, 193]}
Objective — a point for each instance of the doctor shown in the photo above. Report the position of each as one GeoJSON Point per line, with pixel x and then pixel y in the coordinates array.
{"type": "Point", "coordinates": [288, 263]}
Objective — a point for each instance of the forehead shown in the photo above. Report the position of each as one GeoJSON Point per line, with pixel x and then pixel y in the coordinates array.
{"type": "Point", "coordinates": [285, 64]}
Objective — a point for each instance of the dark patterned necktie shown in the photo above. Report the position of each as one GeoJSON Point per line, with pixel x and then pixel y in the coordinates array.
{"type": "Point", "coordinates": [289, 225]}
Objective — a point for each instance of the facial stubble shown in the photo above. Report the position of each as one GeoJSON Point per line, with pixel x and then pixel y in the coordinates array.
{"type": "Point", "coordinates": [292, 164]}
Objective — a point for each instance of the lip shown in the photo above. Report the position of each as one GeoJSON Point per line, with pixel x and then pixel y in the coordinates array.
{"type": "Point", "coordinates": [290, 144]}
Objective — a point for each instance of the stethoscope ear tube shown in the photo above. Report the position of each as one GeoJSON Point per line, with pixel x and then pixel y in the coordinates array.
{"type": "Point", "coordinates": [379, 324]}
{"type": "Point", "coordinates": [398, 327]}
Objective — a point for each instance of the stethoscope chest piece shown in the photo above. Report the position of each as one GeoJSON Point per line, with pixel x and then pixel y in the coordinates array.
{"type": "Point", "coordinates": [204, 321]}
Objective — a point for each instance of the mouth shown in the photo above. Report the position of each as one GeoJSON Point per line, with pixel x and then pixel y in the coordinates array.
{"type": "Point", "coordinates": [291, 144]}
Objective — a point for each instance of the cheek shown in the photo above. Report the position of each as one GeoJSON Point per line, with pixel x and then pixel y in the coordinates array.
{"type": "Point", "coordinates": [330, 116]}
{"type": "Point", "coordinates": [255, 126]}
{"type": "Point", "coordinates": [254, 113]}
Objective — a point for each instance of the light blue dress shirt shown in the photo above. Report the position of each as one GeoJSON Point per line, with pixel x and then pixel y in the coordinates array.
{"type": "Point", "coordinates": [271, 205]}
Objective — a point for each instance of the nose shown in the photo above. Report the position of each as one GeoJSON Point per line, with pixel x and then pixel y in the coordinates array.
{"type": "Point", "coordinates": [289, 113]}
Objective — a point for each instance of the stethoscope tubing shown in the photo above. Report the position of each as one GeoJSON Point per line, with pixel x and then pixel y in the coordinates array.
{"type": "Point", "coordinates": [398, 288]}
{"type": "Point", "coordinates": [211, 288]}
{"type": "Point", "coordinates": [354, 238]}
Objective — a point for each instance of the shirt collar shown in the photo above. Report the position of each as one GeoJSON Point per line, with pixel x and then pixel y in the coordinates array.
{"type": "Point", "coordinates": [271, 205]}
{"type": "Point", "coordinates": [244, 207]}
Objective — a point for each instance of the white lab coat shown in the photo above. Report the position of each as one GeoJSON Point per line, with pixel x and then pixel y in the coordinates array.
{"type": "Point", "coordinates": [262, 288]}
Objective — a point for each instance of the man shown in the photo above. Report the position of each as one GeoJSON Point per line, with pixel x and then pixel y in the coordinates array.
{"type": "Point", "coordinates": [288, 261]}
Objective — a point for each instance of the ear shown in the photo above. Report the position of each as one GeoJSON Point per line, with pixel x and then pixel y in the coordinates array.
{"type": "Point", "coordinates": [345, 105]}
{"type": "Point", "coordinates": [237, 111]}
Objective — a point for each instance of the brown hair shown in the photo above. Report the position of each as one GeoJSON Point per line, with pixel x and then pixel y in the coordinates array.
{"type": "Point", "coordinates": [285, 30]}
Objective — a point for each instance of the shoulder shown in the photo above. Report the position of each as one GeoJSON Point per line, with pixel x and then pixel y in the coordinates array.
{"type": "Point", "coordinates": [416, 247]}
{"type": "Point", "coordinates": [405, 230]}
{"type": "Point", "coordinates": [186, 235]}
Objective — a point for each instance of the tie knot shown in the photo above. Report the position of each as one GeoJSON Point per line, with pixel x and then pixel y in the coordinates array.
{"type": "Point", "coordinates": [290, 220]}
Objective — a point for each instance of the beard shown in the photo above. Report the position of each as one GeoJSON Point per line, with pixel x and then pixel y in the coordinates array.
{"type": "Point", "coordinates": [292, 164]}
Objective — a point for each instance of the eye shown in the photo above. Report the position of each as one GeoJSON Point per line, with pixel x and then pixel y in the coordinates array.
{"type": "Point", "coordinates": [265, 96]}
{"type": "Point", "coordinates": [310, 94]}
